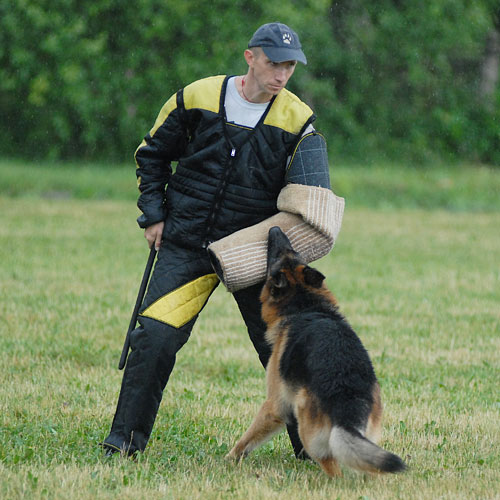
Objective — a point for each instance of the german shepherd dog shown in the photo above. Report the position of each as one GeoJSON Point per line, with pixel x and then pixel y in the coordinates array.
{"type": "Point", "coordinates": [318, 371]}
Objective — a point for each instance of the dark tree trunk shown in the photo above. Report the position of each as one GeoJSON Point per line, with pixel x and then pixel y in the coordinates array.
{"type": "Point", "coordinates": [490, 67]}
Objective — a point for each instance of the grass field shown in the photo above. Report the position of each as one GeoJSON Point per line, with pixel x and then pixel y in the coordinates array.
{"type": "Point", "coordinates": [418, 279]}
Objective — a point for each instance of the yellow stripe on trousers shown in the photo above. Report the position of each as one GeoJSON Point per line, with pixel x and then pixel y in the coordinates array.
{"type": "Point", "coordinates": [181, 305]}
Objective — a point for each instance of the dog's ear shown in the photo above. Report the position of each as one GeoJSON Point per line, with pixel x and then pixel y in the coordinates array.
{"type": "Point", "coordinates": [279, 279]}
{"type": "Point", "coordinates": [313, 277]}
{"type": "Point", "coordinates": [278, 283]}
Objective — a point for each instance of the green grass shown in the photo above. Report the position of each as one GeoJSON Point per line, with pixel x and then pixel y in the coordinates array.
{"type": "Point", "coordinates": [421, 287]}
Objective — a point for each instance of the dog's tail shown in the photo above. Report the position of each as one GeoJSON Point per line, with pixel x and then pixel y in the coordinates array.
{"type": "Point", "coordinates": [351, 448]}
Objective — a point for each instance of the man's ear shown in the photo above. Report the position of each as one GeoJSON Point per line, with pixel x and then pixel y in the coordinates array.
{"type": "Point", "coordinates": [313, 277]}
{"type": "Point", "coordinates": [249, 57]}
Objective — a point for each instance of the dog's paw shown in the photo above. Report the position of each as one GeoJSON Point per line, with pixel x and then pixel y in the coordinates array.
{"type": "Point", "coordinates": [235, 455]}
{"type": "Point", "coordinates": [231, 456]}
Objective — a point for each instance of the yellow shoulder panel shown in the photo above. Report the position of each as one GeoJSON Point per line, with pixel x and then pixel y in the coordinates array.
{"type": "Point", "coordinates": [204, 94]}
{"type": "Point", "coordinates": [288, 112]}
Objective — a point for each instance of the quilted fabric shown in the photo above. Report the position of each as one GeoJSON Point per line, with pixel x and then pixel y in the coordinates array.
{"type": "Point", "coordinates": [179, 306]}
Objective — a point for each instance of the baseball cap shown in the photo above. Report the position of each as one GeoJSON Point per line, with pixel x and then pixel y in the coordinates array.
{"type": "Point", "coordinates": [279, 43]}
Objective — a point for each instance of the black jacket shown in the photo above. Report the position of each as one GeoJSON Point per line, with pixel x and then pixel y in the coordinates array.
{"type": "Point", "coordinates": [227, 177]}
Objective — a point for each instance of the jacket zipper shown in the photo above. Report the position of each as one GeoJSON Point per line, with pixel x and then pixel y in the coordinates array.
{"type": "Point", "coordinates": [220, 191]}
{"type": "Point", "coordinates": [218, 199]}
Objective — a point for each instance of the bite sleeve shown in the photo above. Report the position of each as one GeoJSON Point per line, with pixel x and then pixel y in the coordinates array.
{"type": "Point", "coordinates": [310, 216]}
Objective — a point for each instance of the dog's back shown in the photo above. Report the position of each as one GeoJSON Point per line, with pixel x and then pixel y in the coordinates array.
{"type": "Point", "coordinates": [325, 358]}
{"type": "Point", "coordinates": [324, 354]}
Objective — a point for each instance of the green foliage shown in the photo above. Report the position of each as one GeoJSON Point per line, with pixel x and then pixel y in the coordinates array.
{"type": "Point", "coordinates": [396, 79]}
{"type": "Point", "coordinates": [406, 79]}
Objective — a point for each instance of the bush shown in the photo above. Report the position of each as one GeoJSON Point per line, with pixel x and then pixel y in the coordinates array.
{"type": "Point", "coordinates": [393, 79]}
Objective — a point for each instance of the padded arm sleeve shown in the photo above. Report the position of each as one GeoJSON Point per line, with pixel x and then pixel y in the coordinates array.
{"type": "Point", "coordinates": [309, 162]}
{"type": "Point", "coordinates": [310, 216]}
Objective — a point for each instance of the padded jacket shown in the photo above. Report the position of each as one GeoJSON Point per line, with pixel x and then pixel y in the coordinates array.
{"type": "Point", "coordinates": [227, 176]}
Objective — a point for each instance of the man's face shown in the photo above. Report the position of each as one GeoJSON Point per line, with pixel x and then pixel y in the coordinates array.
{"type": "Point", "coordinates": [270, 76]}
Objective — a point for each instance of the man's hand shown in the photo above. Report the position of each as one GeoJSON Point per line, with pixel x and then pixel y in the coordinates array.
{"type": "Point", "coordinates": [153, 234]}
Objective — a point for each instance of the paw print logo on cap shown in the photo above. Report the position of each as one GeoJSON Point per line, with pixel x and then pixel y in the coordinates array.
{"type": "Point", "coordinates": [287, 38]}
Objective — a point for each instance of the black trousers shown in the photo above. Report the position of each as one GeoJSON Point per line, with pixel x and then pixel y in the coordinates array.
{"type": "Point", "coordinates": [181, 283]}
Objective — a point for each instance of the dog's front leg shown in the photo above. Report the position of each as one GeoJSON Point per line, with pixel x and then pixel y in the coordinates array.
{"type": "Point", "coordinates": [267, 423]}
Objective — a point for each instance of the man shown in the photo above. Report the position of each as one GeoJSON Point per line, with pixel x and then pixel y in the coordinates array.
{"type": "Point", "coordinates": [248, 158]}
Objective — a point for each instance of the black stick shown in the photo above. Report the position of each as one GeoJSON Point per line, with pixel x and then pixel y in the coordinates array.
{"type": "Point", "coordinates": [138, 303]}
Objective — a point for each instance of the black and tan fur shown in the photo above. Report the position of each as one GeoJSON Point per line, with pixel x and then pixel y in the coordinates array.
{"type": "Point", "coordinates": [318, 371]}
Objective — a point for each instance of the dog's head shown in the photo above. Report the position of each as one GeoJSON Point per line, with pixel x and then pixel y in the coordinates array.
{"type": "Point", "coordinates": [286, 271]}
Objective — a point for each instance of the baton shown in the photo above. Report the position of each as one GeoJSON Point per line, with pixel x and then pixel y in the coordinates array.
{"type": "Point", "coordinates": [138, 303]}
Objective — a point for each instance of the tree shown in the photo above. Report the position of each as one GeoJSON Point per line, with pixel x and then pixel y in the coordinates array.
{"type": "Point", "coordinates": [390, 78]}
